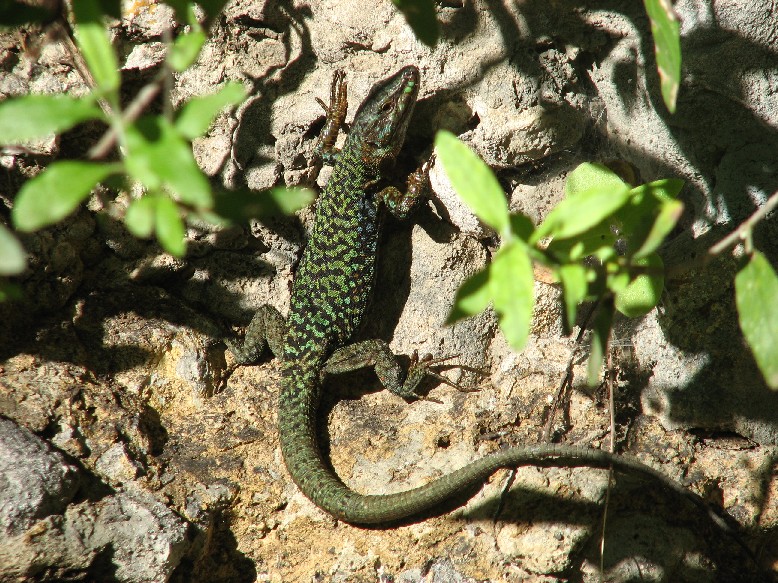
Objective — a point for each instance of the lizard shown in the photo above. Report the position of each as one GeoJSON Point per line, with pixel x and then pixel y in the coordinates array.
{"type": "Point", "coordinates": [330, 293]}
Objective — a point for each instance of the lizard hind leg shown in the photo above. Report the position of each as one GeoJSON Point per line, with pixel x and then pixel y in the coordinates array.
{"type": "Point", "coordinates": [266, 328]}
{"type": "Point", "coordinates": [376, 354]}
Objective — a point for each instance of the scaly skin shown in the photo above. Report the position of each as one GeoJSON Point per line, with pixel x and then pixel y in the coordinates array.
{"type": "Point", "coordinates": [331, 290]}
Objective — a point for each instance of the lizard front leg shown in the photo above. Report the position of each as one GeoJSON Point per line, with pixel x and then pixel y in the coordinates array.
{"type": "Point", "coordinates": [399, 203]}
{"type": "Point", "coordinates": [336, 116]}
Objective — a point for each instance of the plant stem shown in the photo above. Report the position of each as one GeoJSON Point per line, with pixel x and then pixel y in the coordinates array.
{"type": "Point", "coordinates": [742, 231]}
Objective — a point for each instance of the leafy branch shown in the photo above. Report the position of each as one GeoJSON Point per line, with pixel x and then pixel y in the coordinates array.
{"type": "Point", "coordinates": [578, 242]}
{"type": "Point", "coordinates": [154, 150]}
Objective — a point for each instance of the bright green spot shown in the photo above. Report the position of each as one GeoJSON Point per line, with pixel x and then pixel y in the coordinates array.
{"type": "Point", "coordinates": [756, 295]}
{"type": "Point", "coordinates": [170, 228]}
{"type": "Point", "coordinates": [37, 116]}
{"type": "Point", "coordinates": [196, 115]}
{"type": "Point", "coordinates": [13, 259]}
{"type": "Point", "coordinates": [649, 216]}
{"type": "Point", "coordinates": [474, 182]}
{"type": "Point", "coordinates": [56, 192]}
{"type": "Point", "coordinates": [598, 240]}
{"type": "Point", "coordinates": [92, 40]}
{"type": "Point", "coordinates": [420, 15]}
{"type": "Point", "coordinates": [521, 226]}
{"type": "Point", "coordinates": [158, 156]}
{"type": "Point", "coordinates": [667, 42]}
{"type": "Point", "coordinates": [183, 9]}
{"type": "Point", "coordinates": [592, 193]}
{"type": "Point", "coordinates": [644, 291]}
{"type": "Point", "coordinates": [512, 287]}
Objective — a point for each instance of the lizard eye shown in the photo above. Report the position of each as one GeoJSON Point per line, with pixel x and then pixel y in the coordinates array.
{"type": "Point", "coordinates": [386, 107]}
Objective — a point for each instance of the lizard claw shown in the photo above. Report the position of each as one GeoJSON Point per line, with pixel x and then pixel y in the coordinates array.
{"type": "Point", "coordinates": [423, 366]}
{"type": "Point", "coordinates": [336, 116]}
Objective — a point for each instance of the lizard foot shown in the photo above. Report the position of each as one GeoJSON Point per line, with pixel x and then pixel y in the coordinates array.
{"type": "Point", "coordinates": [422, 367]}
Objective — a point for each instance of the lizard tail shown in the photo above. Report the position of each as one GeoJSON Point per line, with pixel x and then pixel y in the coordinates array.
{"type": "Point", "coordinates": [316, 479]}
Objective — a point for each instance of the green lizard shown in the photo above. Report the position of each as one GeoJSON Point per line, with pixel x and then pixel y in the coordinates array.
{"type": "Point", "coordinates": [331, 289]}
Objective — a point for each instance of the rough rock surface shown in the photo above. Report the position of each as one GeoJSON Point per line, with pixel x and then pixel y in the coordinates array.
{"type": "Point", "coordinates": [162, 460]}
{"type": "Point", "coordinates": [43, 484]}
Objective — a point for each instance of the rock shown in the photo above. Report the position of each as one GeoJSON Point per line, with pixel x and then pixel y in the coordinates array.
{"type": "Point", "coordinates": [35, 481]}
{"type": "Point", "coordinates": [116, 465]}
{"type": "Point", "coordinates": [129, 538]}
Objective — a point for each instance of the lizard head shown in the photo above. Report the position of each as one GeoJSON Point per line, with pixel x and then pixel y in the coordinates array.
{"type": "Point", "coordinates": [381, 121]}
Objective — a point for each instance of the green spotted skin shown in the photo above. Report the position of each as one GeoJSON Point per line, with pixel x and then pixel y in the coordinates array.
{"type": "Point", "coordinates": [329, 297]}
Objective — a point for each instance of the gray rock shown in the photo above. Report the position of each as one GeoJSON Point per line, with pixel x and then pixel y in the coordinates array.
{"type": "Point", "coordinates": [130, 538]}
{"type": "Point", "coordinates": [35, 481]}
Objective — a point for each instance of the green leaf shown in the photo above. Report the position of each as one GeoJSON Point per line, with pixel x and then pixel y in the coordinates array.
{"type": "Point", "coordinates": [92, 40]}
{"type": "Point", "coordinates": [512, 287]}
{"type": "Point", "coordinates": [522, 226]}
{"type": "Point", "coordinates": [643, 293]}
{"type": "Point", "coordinates": [185, 49]}
{"type": "Point", "coordinates": [601, 330]}
{"type": "Point", "coordinates": [420, 15]}
{"type": "Point", "coordinates": [666, 31]}
{"type": "Point", "coordinates": [665, 189]}
{"type": "Point", "coordinates": [9, 291]}
{"type": "Point", "coordinates": [112, 8]}
{"type": "Point", "coordinates": [595, 241]}
{"type": "Point", "coordinates": [13, 259]}
{"type": "Point", "coordinates": [668, 216]}
{"type": "Point", "coordinates": [650, 215]}
{"type": "Point", "coordinates": [239, 206]}
{"type": "Point", "coordinates": [197, 114]}
{"type": "Point", "coordinates": [141, 215]}
{"type": "Point", "coordinates": [56, 192]}
{"type": "Point", "coordinates": [158, 156]}
{"type": "Point", "coordinates": [36, 116]}
{"type": "Point", "coordinates": [582, 211]}
{"type": "Point", "coordinates": [574, 287]}
{"type": "Point", "coordinates": [170, 227]}
{"type": "Point", "coordinates": [590, 175]}
{"type": "Point", "coordinates": [474, 182]}
{"type": "Point", "coordinates": [472, 297]}
{"type": "Point", "coordinates": [756, 295]}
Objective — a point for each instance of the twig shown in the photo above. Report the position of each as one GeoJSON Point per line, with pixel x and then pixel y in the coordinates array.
{"type": "Point", "coordinates": [567, 380]}
{"type": "Point", "coordinates": [612, 449]}
{"type": "Point", "coordinates": [138, 105]}
{"type": "Point", "coordinates": [742, 231]}
{"type": "Point", "coordinates": [142, 100]}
